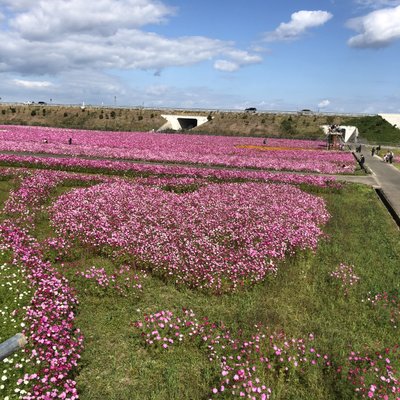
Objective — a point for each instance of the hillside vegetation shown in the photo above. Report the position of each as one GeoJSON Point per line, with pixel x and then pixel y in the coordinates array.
{"type": "Point", "coordinates": [376, 130]}
{"type": "Point", "coordinates": [372, 128]}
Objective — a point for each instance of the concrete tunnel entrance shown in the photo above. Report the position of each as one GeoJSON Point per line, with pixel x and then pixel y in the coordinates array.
{"type": "Point", "coordinates": [183, 122]}
{"type": "Point", "coordinates": [187, 123]}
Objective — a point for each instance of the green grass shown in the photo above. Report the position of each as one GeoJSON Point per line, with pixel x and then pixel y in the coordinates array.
{"type": "Point", "coordinates": [6, 184]}
{"type": "Point", "coordinates": [301, 299]}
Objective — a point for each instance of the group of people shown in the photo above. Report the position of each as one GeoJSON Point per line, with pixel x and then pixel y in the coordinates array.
{"type": "Point", "coordinates": [388, 157]}
{"type": "Point", "coordinates": [375, 150]}
{"type": "Point", "coordinates": [337, 129]}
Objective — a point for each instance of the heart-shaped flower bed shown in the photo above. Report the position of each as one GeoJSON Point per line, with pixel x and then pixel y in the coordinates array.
{"type": "Point", "coordinates": [219, 237]}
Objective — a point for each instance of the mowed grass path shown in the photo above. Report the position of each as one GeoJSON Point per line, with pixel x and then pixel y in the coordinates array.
{"type": "Point", "coordinates": [301, 299]}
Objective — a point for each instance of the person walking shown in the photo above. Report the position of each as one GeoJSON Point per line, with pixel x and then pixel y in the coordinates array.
{"type": "Point", "coordinates": [362, 161]}
{"type": "Point", "coordinates": [372, 151]}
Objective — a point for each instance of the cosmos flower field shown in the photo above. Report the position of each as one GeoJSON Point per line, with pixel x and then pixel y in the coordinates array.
{"type": "Point", "coordinates": [186, 282]}
{"type": "Point", "coordinates": [178, 148]}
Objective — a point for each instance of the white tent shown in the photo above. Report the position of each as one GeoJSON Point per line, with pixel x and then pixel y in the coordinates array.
{"type": "Point", "coordinates": [350, 133]}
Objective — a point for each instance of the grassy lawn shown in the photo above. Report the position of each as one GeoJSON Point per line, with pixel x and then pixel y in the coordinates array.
{"type": "Point", "coordinates": [303, 298]}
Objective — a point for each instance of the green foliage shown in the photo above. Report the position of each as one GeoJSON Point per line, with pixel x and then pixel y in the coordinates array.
{"type": "Point", "coordinates": [287, 127]}
{"type": "Point", "coordinates": [33, 113]}
{"type": "Point", "coordinates": [375, 129]}
{"type": "Point", "coordinates": [330, 119]}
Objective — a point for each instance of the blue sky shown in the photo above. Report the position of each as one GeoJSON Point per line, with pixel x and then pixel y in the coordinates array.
{"type": "Point", "coordinates": [326, 55]}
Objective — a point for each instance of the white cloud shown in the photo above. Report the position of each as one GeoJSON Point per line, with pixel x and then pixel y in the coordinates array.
{"type": "Point", "coordinates": [226, 66]}
{"type": "Point", "coordinates": [238, 59]}
{"type": "Point", "coordinates": [299, 23]}
{"type": "Point", "coordinates": [32, 84]}
{"type": "Point", "coordinates": [376, 29]}
{"type": "Point", "coordinates": [243, 57]}
{"type": "Point", "coordinates": [18, 4]}
{"type": "Point", "coordinates": [100, 17]}
{"type": "Point", "coordinates": [52, 37]}
{"type": "Point", "coordinates": [378, 3]}
{"type": "Point", "coordinates": [324, 103]}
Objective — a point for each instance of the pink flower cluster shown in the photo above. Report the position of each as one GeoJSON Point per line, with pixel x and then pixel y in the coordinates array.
{"type": "Point", "coordinates": [346, 276]}
{"type": "Point", "coordinates": [54, 344]}
{"type": "Point", "coordinates": [123, 281]}
{"type": "Point", "coordinates": [197, 149]}
{"type": "Point", "coordinates": [373, 376]}
{"type": "Point", "coordinates": [54, 248]}
{"type": "Point", "coordinates": [113, 166]}
{"type": "Point", "coordinates": [248, 368]}
{"type": "Point", "coordinates": [26, 201]}
{"type": "Point", "coordinates": [218, 238]}
{"type": "Point", "coordinates": [270, 354]}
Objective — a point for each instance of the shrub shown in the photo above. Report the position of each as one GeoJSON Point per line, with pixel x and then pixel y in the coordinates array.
{"type": "Point", "coordinates": [287, 127]}
{"type": "Point", "coordinates": [330, 119]}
